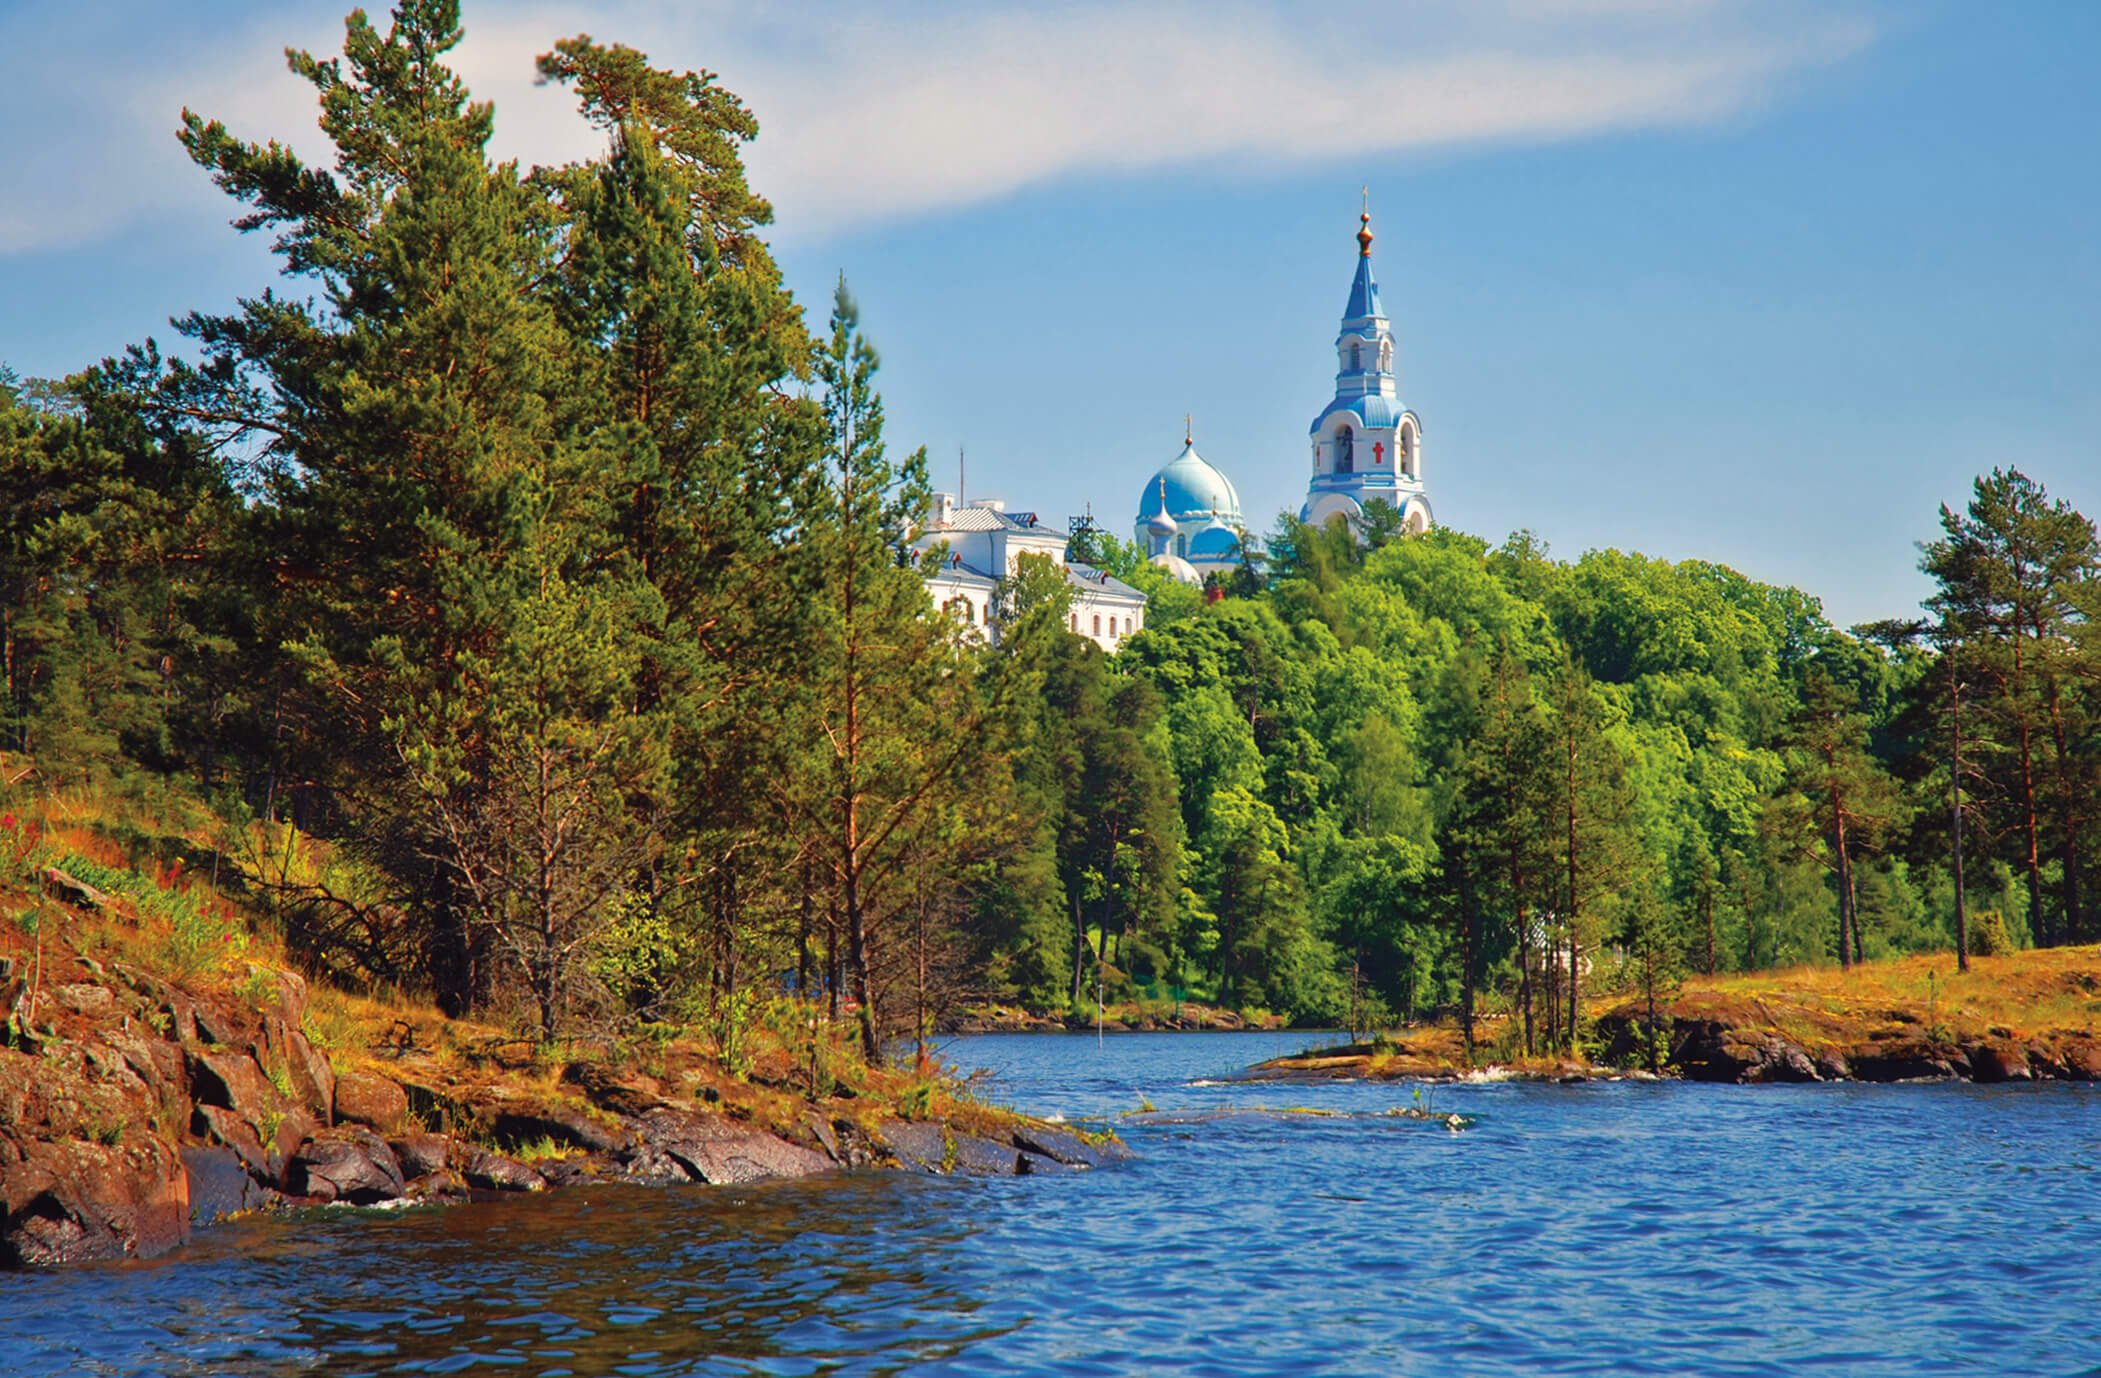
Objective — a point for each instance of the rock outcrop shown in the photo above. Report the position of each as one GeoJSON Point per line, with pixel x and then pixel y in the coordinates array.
{"type": "Point", "coordinates": [138, 1110]}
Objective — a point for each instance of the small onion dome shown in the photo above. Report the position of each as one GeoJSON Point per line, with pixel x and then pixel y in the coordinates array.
{"type": "Point", "coordinates": [1162, 524]}
{"type": "Point", "coordinates": [1178, 568]}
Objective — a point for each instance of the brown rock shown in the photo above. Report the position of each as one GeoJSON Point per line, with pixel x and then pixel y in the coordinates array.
{"type": "Point", "coordinates": [218, 1125]}
{"type": "Point", "coordinates": [623, 1094]}
{"type": "Point", "coordinates": [232, 1081]}
{"type": "Point", "coordinates": [421, 1155]}
{"type": "Point", "coordinates": [2081, 1057]}
{"type": "Point", "coordinates": [312, 1079]}
{"type": "Point", "coordinates": [495, 1172]}
{"type": "Point", "coordinates": [1999, 1061]}
{"type": "Point", "coordinates": [369, 1099]}
{"type": "Point", "coordinates": [66, 1201]}
{"type": "Point", "coordinates": [88, 1000]}
{"type": "Point", "coordinates": [699, 1146]}
{"type": "Point", "coordinates": [349, 1163]}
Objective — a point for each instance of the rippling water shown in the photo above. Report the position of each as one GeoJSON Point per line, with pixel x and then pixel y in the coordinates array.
{"type": "Point", "coordinates": [1601, 1229]}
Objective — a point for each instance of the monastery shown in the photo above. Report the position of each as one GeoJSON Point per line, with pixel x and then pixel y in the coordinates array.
{"type": "Point", "coordinates": [1366, 448]}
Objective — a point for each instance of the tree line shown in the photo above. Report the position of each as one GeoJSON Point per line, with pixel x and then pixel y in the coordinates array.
{"type": "Point", "coordinates": [523, 565]}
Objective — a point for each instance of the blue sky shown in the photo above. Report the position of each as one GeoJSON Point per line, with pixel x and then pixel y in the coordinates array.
{"type": "Point", "coordinates": [1762, 283]}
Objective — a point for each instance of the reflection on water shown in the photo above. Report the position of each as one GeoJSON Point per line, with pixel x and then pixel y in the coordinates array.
{"type": "Point", "coordinates": [1600, 1229]}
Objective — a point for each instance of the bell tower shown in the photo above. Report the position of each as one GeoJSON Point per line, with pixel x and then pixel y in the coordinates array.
{"type": "Point", "coordinates": [1366, 447]}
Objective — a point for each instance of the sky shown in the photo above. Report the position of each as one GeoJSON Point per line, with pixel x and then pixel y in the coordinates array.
{"type": "Point", "coordinates": [1759, 282]}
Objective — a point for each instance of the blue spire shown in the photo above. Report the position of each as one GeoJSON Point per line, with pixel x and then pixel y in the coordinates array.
{"type": "Point", "coordinates": [1364, 294]}
{"type": "Point", "coordinates": [1364, 290]}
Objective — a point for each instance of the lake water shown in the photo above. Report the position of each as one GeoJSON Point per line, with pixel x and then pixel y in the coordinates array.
{"type": "Point", "coordinates": [1601, 1229]}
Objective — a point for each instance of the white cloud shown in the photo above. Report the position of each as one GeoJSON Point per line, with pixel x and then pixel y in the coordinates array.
{"type": "Point", "coordinates": [871, 114]}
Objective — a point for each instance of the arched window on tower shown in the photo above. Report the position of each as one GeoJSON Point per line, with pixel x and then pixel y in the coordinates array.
{"type": "Point", "coordinates": [1386, 356]}
{"type": "Point", "coordinates": [1356, 356]}
{"type": "Point", "coordinates": [1345, 452]}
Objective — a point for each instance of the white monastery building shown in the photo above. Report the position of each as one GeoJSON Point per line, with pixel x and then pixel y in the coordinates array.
{"type": "Point", "coordinates": [984, 544]}
{"type": "Point", "coordinates": [1367, 448]}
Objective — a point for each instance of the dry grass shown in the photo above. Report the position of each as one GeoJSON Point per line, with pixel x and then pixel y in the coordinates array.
{"type": "Point", "coordinates": [2024, 994]}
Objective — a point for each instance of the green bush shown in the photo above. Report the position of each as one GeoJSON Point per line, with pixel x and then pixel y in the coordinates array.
{"type": "Point", "coordinates": [1988, 934]}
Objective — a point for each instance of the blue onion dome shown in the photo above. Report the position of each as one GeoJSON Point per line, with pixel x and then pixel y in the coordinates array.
{"type": "Point", "coordinates": [1188, 488]}
{"type": "Point", "coordinates": [1215, 543]}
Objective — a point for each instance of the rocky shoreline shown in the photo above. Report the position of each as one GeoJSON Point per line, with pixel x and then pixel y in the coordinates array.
{"type": "Point", "coordinates": [1738, 1042]}
{"type": "Point", "coordinates": [139, 1111]}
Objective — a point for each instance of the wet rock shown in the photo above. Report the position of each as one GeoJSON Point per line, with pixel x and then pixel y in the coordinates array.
{"type": "Point", "coordinates": [2081, 1059]}
{"type": "Point", "coordinates": [1068, 1147]}
{"type": "Point", "coordinates": [370, 1099]}
{"type": "Point", "coordinates": [917, 1145]}
{"type": "Point", "coordinates": [937, 1148]}
{"type": "Point", "coordinates": [420, 1155]}
{"type": "Point", "coordinates": [349, 1163]}
{"type": "Point", "coordinates": [220, 1185]}
{"type": "Point", "coordinates": [1035, 1165]}
{"type": "Point", "coordinates": [674, 1145]}
{"type": "Point", "coordinates": [2000, 1061]}
{"type": "Point", "coordinates": [220, 1126]}
{"type": "Point", "coordinates": [65, 1201]}
{"type": "Point", "coordinates": [1907, 1059]}
{"type": "Point", "coordinates": [494, 1172]}
{"type": "Point", "coordinates": [437, 1188]}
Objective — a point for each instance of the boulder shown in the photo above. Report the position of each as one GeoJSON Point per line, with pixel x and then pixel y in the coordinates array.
{"type": "Point", "coordinates": [420, 1155]}
{"type": "Point", "coordinates": [233, 1082]}
{"type": "Point", "coordinates": [2000, 1060]}
{"type": "Point", "coordinates": [701, 1146]}
{"type": "Point", "coordinates": [307, 1069]}
{"type": "Point", "coordinates": [937, 1148]}
{"type": "Point", "coordinates": [220, 1126]}
{"type": "Point", "coordinates": [77, 893]}
{"type": "Point", "coordinates": [65, 1201]}
{"type": "Point", "coordinates": [487, 1171]}
{"type": "Point", "coordinates": [562, 1125]}
{"type": "Point", "coordinates": [220, 1185]}
{"type": "Point", "coordinates": [1065, 1146]}
{"type": "Point", "coordinates": [370, 1099]}
{"type": "Point", "coordinates": [1035, 1165]}
{"type": "Point", "coordinates": [623, 1094]}
{"type": "Point", "coordinates": [84, 999]}
{"type": "Point", "coordinates": [2081, 1058]}
{"type": "Point", "coordinates": [349, 1163]}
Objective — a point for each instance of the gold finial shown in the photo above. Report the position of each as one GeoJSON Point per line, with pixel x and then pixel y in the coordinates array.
{"type": "Point", "coordinates": [1188, 430]}
{"type": "Point", "coordinates": [1364, 227]}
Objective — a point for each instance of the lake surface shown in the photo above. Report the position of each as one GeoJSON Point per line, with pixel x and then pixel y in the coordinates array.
{"type": "Point", "coordinates": [1601, 1229]}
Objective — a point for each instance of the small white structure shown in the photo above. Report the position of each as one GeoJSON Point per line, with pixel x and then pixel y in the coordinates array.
{"type": "Point", "coordinates": [983, 544]}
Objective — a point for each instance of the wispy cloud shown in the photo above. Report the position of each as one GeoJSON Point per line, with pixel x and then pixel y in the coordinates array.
{"type": "Point", "coordinates": [878, 113]}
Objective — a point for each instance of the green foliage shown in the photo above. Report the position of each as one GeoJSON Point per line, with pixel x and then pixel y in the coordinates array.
{"type": "Point", "coordinates": [1988, 934]}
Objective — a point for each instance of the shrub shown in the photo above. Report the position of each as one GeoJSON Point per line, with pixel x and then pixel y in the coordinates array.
{"type": "Point", "coordinates": [1988, 934]}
